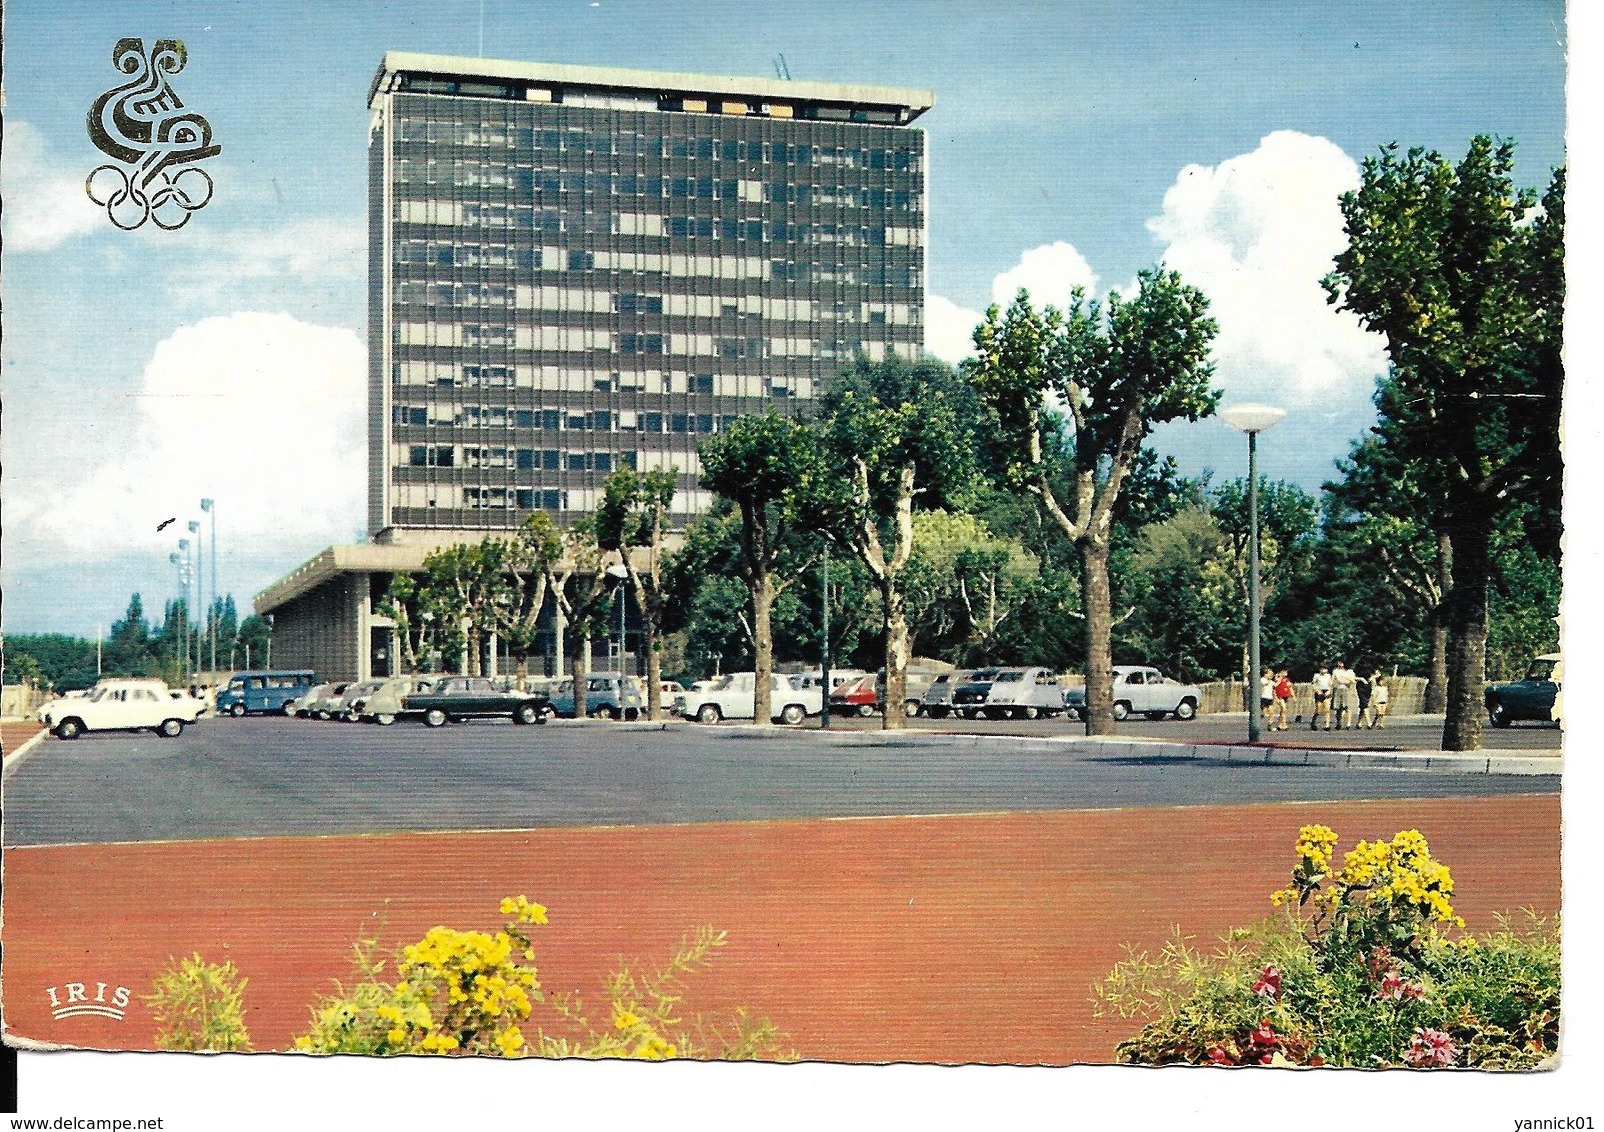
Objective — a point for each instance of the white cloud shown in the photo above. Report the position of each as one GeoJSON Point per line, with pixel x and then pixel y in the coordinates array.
{"type": "Point", "coordinates": [262, 412]}
{"type": "Point", "coordinates": [44, 206]}
{"type": "Point", "coordinates": [1256, 233]}
{"type": "Point", "coordinates": [949, 330]}
{"type": "Point", "coordinates": [1049, 273]}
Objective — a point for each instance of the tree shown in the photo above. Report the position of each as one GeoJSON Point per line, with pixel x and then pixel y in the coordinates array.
{"type": "Point", "coordinates": [1143, 363]}
{"type": "Point", "coordinates": [963, 583]}
{"type": "Point", "coordinates": [633, 517]}
{"type": "Point", "coordinates": [584, 564]}
{"type": "Point", "coordinates": [256, 639]}
{"type": "Point", "coordinates": [1466, 284]}
{"type": "Point", "coordinates": [893, 440]}
{"type": "Point", "coordinates": [466, 585]}
{"type": "Point", "coordinates": [530, 555]}
{"type": "Point", "coordinates": [761, 463]}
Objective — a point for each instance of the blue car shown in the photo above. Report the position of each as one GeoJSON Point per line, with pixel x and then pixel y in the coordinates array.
{"type": "Point", "coordinates": [607, 696]}
{"type": "Point", "coordinates": [265, 691]}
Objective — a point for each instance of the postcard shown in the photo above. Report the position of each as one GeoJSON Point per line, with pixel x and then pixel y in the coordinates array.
{"type": "Point", "coordinates": [829, 545]}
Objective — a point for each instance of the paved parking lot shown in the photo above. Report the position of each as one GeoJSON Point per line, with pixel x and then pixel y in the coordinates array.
{"type": "Point", "coordinates": [276, 776]}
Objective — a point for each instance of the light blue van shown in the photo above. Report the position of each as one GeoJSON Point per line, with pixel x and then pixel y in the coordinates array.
{"type": "Point", "coordinates": [264, 690]}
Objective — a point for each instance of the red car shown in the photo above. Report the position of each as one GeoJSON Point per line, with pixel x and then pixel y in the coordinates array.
{"type": "Point", "coordinates": [856, 697]}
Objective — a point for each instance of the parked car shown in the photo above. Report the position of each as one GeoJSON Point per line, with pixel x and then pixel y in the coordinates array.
{"type": "Point", "coordinates": [1138, 689]}
{"type": "Point", "coordinates": [356, 698]}
{"type": "Point", "coordinates": [937, 697]}
{"type": "Point", "coordinates": [336, 705]}
{"type": "Point", "coordinates": [916, 681]}
{"type": "Point", "coordinates": [607, 696]}
{"type": "Point", "coordinates": [856, 697]}
{"type": "Point", "coordinates": [316, 703]}
{"type": "Point", "coordinates": [735, 697]}
{"type": "Point", "coordinates": [456, 698]}
{"type": "Point", "coordinates": [383, 705]}
{"type": "Point", "coordinates": [122, 705]}
{"type": "Point", "coordinates": [1010, 693]}
{"type": "Point", "coordinates": [263, 691]}
{"type": "Point", "coordinates": [1534, 696]}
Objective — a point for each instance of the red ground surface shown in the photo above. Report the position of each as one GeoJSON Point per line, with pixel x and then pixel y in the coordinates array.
{"type": "Point", "coordinates": [14, 733]}
{"type": "Point", "coordinates": [948, 939]}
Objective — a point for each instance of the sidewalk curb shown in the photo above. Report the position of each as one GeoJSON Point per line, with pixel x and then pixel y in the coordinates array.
{"type": "Point", "coordinates": [13, 759]}
{"type": "Point", "coordinates": [1441, 762]}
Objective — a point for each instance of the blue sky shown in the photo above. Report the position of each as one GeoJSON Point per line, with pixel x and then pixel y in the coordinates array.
{"type": "Point", "coordinates": [1070, 143]}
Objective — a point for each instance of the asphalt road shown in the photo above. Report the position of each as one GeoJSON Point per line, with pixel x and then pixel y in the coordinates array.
{"type": "Point", "coordinates": [271, 776]}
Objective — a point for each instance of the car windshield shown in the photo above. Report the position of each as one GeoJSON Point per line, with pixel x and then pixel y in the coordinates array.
{"type": "Point", "coordinates": [1009, 677]}
{"type": "Point", "coordinates": [95, 696]}
{"type": "Point", "coordinates": [1541, 669]}
{"type": "Point", "coordinates": [985, 674]}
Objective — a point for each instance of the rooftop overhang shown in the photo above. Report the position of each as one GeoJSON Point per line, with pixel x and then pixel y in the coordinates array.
{"type": "Point", "coordinates": [908, 102]}
{"type": "Point", "coordinates": [397, 558]}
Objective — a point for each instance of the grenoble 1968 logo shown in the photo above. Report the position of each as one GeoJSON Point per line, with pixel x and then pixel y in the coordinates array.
{"type": "Point", "coordinates": [73, 1000]}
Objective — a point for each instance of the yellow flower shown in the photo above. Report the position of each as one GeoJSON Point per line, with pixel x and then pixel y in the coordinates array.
{"type": "Point", "coordinates": [510, 1042]}
{"type": "Point", "coordinates": [624, 1020]}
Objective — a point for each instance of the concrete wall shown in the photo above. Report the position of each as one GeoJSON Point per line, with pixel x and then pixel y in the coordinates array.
{"type": "Point", "coordinates": [325, 629]}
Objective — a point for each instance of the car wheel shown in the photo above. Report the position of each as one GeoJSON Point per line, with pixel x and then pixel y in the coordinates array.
{"type": "Point", "coordinates": [793, 714]}
{"type": "Point", "coordinates": [606, 711]}
{"type": "Point", "coordinates": [384, 719]}
{"type": "Point", "coordinates": [237, 710]}
{"type": "Point", "coordinates": [323, 715]}
{"type": "Point", "coordinates": [913, 709]}
{"type": "Point", "coordinates": [709, 713]}
{"type": "Point", "coordinates": [1121, 709]}
{"type": "Point", "coordinates": [288, 708]}
{"type": "Point", "coordinates": [1185, 710]}
{"type": "Point", "coordinates": [526, 713]}
{"type": "Point", "coordinates": [1498, 714]}
{"type": "Point", "coordinates": [170, 728]}
{"type": "Point", "coordinates": [1078, 715]}
{"type": "Point", "coordinates": [936, 711]}
{"type": "Point", "coordinates": [865, 711]}
{"type": "Point", "coordinates": [631, 715]}
{"type": "Point", "coordinates": [69, 729]}
{"type": "Point", "coordinates": [1032, 713]}
{"type": "Point", "coordinates": [434, 717]}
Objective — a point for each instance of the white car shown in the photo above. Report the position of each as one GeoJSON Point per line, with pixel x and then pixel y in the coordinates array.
{"type": "Point", "coordinates": [735, 697]}
{"type": "Point", "coordinates": [123, 705]}
{"type": "Point", "coordinates": [1139, 689]}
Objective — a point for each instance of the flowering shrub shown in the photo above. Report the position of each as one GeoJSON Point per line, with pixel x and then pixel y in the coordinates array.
{"type": "Point", "coordinates": [474, 993]}
{"type": "Point", "coordinates": [199, 1006]}
{"type": "Point", "coordinates": [1361, 970]}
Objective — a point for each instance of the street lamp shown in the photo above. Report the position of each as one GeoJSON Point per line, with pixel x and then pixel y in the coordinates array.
{"type": "Point", "coordinates": [210, 507]}
{"type": "Point", "coordinates": [200, 591]}
{"type": "Point", "coordinates": [824, 636]}
{"type": "Point", "coordinates": [620, 574]}
{"type": "Point", "coordinates": [1253, 419]}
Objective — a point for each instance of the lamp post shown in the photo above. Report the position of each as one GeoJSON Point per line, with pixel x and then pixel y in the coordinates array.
{"type": "Point", "coordinates": [1253, 419]}
{"type": "Point", "coordinates": [210, 507]}
{"type": "Point", "coordinates": [200, 592]}
{"type": "Point", "coordinates": [824, 656]}
{"type": "Point", "coordinates": [620, 575]}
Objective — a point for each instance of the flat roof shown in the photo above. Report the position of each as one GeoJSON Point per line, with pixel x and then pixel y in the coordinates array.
{"type": "Point", "coordinates": [913, 101]}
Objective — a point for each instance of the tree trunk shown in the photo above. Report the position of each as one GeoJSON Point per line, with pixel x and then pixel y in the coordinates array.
{"type": "Point", "coordinates": [1099, 624]}
{"type": "Point", "coordinates": [762, 589]}
{"type": "Point", "coordinates": [896, 623]}
{"type": "Point", "coordinates": [581, 680]}
{"type": "Point", "coordinates": [1467, 635]}
{"type": "Point", "coordinates": [651, 613]}
{"type": "Point", "coordinates": [1437, 686]}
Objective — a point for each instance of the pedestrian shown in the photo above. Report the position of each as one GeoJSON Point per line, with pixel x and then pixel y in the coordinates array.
{"type": "Point", "coordinates": [1343, 680]}
{"type": "Point", "coordinates": [1266, 694]}
{"type": "Point", "coordinates": [1322, 699]}
{"type": "Point", "coordinates": [1378, 700]}
{"type": "Point", "coordinates": [1362, 691]}
{"type": "Point", "coordinates": [1283, 698]}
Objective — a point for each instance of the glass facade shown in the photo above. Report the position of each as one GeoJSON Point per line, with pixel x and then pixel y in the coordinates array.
{"type": "Point", "coordinates": [567, 278]}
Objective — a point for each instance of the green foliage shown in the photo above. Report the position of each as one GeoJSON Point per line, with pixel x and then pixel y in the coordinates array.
{"type": "Point", "coordinates": [1358, 973]}
{"type": "Point", "coordinates": [199, 1006]}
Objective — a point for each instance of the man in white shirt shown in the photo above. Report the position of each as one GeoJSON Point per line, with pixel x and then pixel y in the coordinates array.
{"type": "Point", "coordinates": [1343, 684]}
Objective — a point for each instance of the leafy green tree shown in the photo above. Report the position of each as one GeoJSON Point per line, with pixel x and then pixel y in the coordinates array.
{"type": "Point", "coordinates": [963, 583]}
{"type": "Point", "coordinates": [255, 640]}
{"type": "Point", "coordinates": [1188, 614]}
{"type": "Point", "coordinates": [633, 517]}
{"type": "Point", "coordinates": [1465, 282]}
{"type": "Point", "coordinates": [1144, 362]}
{"type": "Point", "coordinates": [761, 464]}
{"type": "Point", "coordinates": [893, 440]}
{"type": "Point", "coordinates": [1288, 529]}
{"type": "Point", "coordinates": [531, 555]}
{"type": "Point", "coordinates": [579, 586]}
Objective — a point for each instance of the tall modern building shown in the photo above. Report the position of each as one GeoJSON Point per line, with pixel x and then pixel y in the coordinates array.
{"type": "Point", "coordinates": [579, 269]}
